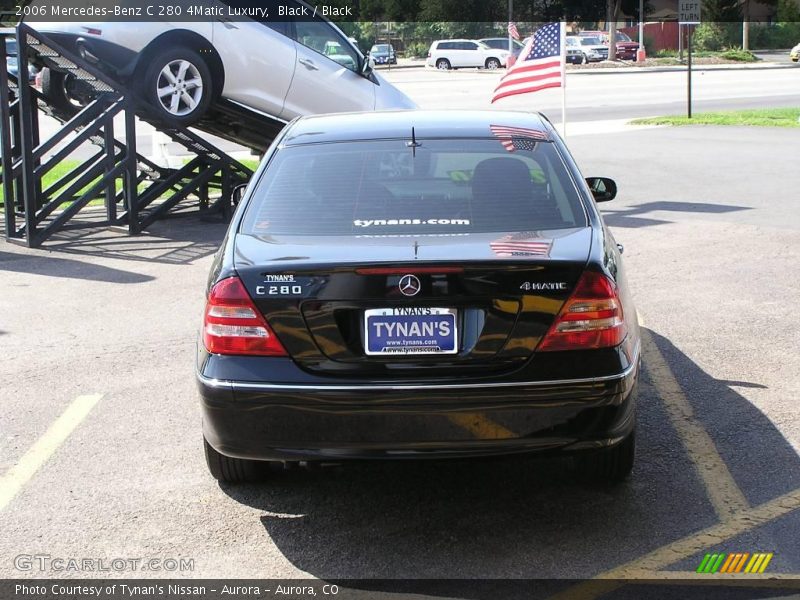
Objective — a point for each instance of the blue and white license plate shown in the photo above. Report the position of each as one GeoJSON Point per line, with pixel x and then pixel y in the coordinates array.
{"type": "Point", "coordinates": [410, 330]}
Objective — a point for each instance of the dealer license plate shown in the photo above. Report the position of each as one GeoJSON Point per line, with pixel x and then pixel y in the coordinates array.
{"type": "Point", "coordinates": [410, 330]}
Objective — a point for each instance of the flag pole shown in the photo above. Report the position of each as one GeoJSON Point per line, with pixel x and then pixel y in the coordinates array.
{"type": "Point", "coordinates": [563, 79]}
{"type": "Point", "coordinates": [510, 19]}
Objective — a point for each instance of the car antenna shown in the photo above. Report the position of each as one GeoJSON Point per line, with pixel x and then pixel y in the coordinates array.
{"type": "Point", "coordinates": [413, 144]}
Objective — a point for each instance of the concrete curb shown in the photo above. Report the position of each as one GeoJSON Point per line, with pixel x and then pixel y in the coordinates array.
{"type": "Point", "coordinates": [394, 67]}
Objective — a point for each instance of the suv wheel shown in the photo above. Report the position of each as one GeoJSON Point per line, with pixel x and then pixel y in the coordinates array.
{"type": "Point", "coordinates": [178, 84]}
{"type": "Point", "coordinates": [443, 64]}
{"type": "Point", "coordinates": [66, 93]}
{"type": "Point", "coordinates": [233, 470]}
{"type": "Point", "coordinates": [584, 59]}
{"type": "Point", "coordinates": [492, 64]}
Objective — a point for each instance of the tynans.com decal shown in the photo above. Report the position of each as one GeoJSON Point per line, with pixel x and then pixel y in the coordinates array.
{"type": "Point", "coordinates": [400, 222]}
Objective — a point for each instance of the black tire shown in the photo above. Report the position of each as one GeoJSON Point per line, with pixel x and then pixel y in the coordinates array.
{"type": "Point", "coordinates": [443, 64]}
{"type": "Point", "coordinates": [62, 91]}
{"type": "Point", "coordinates": [192, 87]}
{"type": "Point", "coordinates": [233, 470]}
{"type": "Point", "coordinates": [611, 466]}
{"type": "Point", "coordinates": [492, 64]}
{"type": "Point", "coordinates": [584, 59]}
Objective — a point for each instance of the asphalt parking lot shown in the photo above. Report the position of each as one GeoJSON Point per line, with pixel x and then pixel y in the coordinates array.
{"type": "Point", "coordinates": [100, 445]}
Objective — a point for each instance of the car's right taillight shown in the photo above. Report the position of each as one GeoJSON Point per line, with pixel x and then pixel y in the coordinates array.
{"type": "Point", "coordinates": [233, 324]}
{"type": "Point", "coordinates": [590, 318]}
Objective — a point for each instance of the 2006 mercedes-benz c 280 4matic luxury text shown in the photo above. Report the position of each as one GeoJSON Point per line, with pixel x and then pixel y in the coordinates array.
{"type": "Point", "coordinates": [418, 284]}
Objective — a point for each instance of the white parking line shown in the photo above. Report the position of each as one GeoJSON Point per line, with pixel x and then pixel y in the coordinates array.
{"type": "Point", "coordinates": [17, 476]}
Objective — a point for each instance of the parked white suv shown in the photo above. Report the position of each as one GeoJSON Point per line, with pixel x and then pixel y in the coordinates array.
{"type": "Point", "coordinates": [284, 69]}
{"type": "Point", "coordinates": [454, 54]}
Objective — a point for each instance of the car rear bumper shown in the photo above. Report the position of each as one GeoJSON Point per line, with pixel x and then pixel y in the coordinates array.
{"type": "Point", "coordinates": [338, 422]}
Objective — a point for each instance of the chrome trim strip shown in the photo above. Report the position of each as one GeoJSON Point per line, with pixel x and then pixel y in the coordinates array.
{"type": "Point", "coordinates": [254, 386]}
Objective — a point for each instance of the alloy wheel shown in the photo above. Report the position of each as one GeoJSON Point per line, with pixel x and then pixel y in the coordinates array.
{"type": "Point", "coordinates": [179, 87]}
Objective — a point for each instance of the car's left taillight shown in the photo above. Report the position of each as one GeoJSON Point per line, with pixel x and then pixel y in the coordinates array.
{"type": "Point", "coordinates": [233, 325]}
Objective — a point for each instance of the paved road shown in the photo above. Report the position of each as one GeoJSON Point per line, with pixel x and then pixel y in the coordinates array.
{"type": "Point", "coordinates": [602, 96]}
{"type": "Point", "coordinates": [100, 329]}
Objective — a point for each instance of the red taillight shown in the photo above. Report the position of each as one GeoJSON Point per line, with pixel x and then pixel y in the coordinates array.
{"type": "Point", "coordinates": [591, 317]}
{"type": "Point", "coordinates": [233, 325]}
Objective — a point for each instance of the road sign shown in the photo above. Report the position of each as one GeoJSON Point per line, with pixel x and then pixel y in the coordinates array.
{"type": "Point", "coordinates": [689, 12]}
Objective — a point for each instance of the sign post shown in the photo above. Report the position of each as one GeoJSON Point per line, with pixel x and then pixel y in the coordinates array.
{"type": "Point", "coordinates": [689, 14]}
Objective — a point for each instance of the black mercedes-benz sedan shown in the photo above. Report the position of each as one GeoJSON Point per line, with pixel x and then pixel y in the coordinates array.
{"type": "Point", "coordinates": [418, 284]}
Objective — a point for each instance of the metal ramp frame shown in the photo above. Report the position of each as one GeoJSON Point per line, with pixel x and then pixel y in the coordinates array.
{"type": "Point", "coordinates": [134, 191]}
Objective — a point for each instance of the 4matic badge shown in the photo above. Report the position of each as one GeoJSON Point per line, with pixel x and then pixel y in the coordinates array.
{"type": "Point", "coordinates": [543, 286]}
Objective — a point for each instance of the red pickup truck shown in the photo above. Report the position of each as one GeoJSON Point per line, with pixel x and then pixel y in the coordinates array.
{"type": "Point", "coordinates": [626, 47]}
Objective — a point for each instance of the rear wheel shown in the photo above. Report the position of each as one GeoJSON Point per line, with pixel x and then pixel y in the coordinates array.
{"type": "Point", "coordinates": [178, 84]}
{"type": "Point", "coordinates": [492, 64]}
{"type": "Point", "coordinates": [233, 470]}
{"type": "Point", "coordinates": [64, 91]}
{"type": "Point", "coordinates": [612, 465]}
{"type": "Point", "coordinates": [443, 64]}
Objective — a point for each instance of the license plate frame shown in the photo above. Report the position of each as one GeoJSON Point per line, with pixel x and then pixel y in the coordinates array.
{"type": "Point", "coordinates": [404, 341]}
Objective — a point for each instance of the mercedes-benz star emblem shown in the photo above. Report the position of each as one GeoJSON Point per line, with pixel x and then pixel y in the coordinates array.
{"type": "Point", "coordinates": [409, 285]}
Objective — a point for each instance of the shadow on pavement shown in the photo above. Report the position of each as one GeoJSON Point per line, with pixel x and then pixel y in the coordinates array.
{"type": "Point", "coordinates": [50, 266]}
{"type": "Point", "coordinates": [763, 464]}
{"type": "Point", "coordinates": [634, 216]}
{"type": "Point", "coordinates": [178, 241]}
{"type": "Point", "coordinates": [523, 517]}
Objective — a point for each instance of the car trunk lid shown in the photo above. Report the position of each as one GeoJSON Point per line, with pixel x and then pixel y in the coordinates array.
{"type": "Point", "coordinates": [503, 290]}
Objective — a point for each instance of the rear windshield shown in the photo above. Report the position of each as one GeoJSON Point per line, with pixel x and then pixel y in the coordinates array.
{"type": "Point", "coordinates": [439, 187]}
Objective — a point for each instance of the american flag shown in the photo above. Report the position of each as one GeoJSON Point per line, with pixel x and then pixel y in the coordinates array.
{"type": "Point", "coordinates": [520, 244]}
{"type": "Point", "coordinates": [517, 138]}
{"type": "Point", "coordinates": [539, 66]}
{"type": "Point", "coordinates": [512, 30]}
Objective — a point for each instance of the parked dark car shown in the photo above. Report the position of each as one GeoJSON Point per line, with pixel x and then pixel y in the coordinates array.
{"type": "Point", "coordinates": [418, 284]}
{"type": "Point", "coordinates": [12, 66]}
{"type": "Point", "coordinates": [383, 54]}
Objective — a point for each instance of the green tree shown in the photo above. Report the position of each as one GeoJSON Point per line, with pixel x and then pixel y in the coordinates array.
{"type": "Point", "coordinates": [788, 11]}
{"type": "Point", "coordinates": [389, 10]}
{"type": "Point", "coordinates": [721, 11]}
